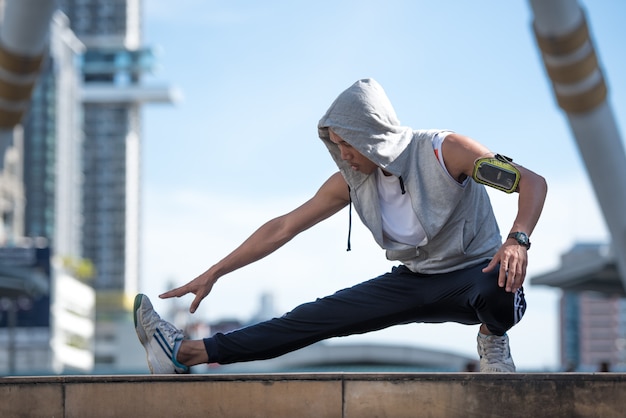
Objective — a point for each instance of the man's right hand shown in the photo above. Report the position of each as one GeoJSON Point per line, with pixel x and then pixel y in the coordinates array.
{"type": "Point", "coordinates": [200, 286]}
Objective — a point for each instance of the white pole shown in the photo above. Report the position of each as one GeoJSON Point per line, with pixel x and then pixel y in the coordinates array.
{"type": "Point", "coordinates": [24, 34]}
{"type": "Point", "coordinates": [571, 63]}
{"type": "Point", "coordinates": [26, 26]}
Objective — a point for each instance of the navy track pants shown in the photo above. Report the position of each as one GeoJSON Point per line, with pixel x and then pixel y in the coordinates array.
{"type": "Point", "coordinates": [466, 296]}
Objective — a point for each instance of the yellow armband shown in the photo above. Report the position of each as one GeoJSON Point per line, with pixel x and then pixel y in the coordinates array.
{"type": "Point", "coordinates": [497, 172]}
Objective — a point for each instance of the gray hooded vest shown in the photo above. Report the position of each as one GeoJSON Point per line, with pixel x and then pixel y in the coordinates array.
{"type": "Point", "coordinates": [458, 219]}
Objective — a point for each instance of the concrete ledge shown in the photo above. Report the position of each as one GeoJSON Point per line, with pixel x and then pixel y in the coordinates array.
{"type": "Point", "coordinates": [355, 395]}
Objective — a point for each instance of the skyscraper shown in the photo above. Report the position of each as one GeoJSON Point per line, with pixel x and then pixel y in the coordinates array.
{"type": "Point", "coordinates": [52, 147]}
{"type": "Point", "coordinates": [47, 314]}
{"type": "Point", "coordinates": [112, 95]}
{"type": "Point", "coordinates": [592, 308]}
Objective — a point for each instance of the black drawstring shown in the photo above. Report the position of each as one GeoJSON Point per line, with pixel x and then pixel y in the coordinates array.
{"type": "Point", "coordinates": [349, 221]}
{"type": "Point", "coordinates": [350, 212]}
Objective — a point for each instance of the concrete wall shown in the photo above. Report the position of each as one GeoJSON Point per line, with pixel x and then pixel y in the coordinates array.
{"type": "Point", "coordinates": [317, 395]}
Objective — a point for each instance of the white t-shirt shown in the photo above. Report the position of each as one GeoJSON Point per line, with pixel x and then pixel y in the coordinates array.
{"type": "Point", "coordinates": [400, 224]}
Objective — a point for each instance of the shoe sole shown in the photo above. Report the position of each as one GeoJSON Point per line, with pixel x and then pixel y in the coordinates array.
{"type": "Point", "coordinates": [497, 370]}
{"type": "Point", "coordinates": [141, 333]}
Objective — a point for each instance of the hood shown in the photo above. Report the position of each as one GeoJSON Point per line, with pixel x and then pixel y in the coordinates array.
{"type": "Point", "coordinates": [363, 117]}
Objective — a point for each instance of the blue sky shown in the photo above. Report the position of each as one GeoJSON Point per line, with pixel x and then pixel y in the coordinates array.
{"type": "Point", "coordinates": [241, 146]}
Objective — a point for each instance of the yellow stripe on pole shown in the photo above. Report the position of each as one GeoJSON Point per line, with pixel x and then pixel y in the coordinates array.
{"type": "Point", "coordinates": [584, 101]}
{"type": "Point", "coordinates": [18, 74]}
{"type": "Point", "coordinates": [563, 44]}
{"type": "Point", "coordinates": [573, 72]}
{"type": "Point", "coordinates": [10, 118]}
{"type": "Point", "coordinates": [19, 64]}
{"type": "Point", "coordinates": [15, 92]}
{"type": "Point", "coordinates": [571, 63]}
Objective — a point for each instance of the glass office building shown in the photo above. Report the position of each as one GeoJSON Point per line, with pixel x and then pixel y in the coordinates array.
{"type": "Point", "coordinates": [112, 97]}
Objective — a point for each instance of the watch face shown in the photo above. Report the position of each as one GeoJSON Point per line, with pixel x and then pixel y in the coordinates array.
{"type": "Point", "coordinates": [522, 238]}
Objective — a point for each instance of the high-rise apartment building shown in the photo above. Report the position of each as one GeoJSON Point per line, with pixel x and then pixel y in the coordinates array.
{"type": "Point", "coordinates": [52, 147]}
{"type": "Point", "coordinates": [592, 309]}
{"type": "Point", "coordinates": [110, 198]}
{"type": "Point", "coordinates": [46, 314]}
{"type": "Point", "coordinates": [593, 331]}
{"type": "Point", "coordinates": [112, 96]}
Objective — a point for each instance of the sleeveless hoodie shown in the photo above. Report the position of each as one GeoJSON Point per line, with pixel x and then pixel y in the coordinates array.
{"type": "Point", "coordinates": [461, 229]}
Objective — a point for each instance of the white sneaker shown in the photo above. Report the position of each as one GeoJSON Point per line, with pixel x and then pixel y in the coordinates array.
{"type": "Point", "coordinates": [159, 338]}
{"type": "Point", "coordinates": [495, 354]}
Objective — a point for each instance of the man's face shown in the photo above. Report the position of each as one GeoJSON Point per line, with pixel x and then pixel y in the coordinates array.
{"type": "Point", "coordinates": [353, 157]}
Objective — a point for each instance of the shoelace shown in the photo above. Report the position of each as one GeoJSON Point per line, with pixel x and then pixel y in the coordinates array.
{"type": "Point", "coordinates": [170, 331]}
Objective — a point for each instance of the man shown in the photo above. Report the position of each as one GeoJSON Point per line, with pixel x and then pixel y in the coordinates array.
{"type": "Point", "coordinates": [420, 194]}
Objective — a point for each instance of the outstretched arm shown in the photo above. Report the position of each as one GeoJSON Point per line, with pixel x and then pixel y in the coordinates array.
{"type": "Point", "coordinates": [329, 199]}
{"type": "Point", "coordinates": [460, 153]}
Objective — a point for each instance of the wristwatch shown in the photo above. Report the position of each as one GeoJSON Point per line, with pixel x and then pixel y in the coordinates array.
{"type": "Point", "coordinates": [521, 238]}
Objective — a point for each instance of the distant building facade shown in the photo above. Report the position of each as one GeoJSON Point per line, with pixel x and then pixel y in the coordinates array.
{"type": "Point", "coordinates": [593, 331]}
{"type": "Point", "coordinates": [112, 97]}
{"type": "Point", "coordinates": [48, 327]}
{"type": "Point", "coordinates": [80, 141]}
{"type": "Point", "coordinates": [46, 313]}
{"type": "Point", "coordinates": [592, 309]}
{"type": "Point", "coordinates": [52, 146]}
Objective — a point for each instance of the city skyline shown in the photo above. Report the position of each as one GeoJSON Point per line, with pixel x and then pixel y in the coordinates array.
{"type": "Point", "coordinates": [241, 146]}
